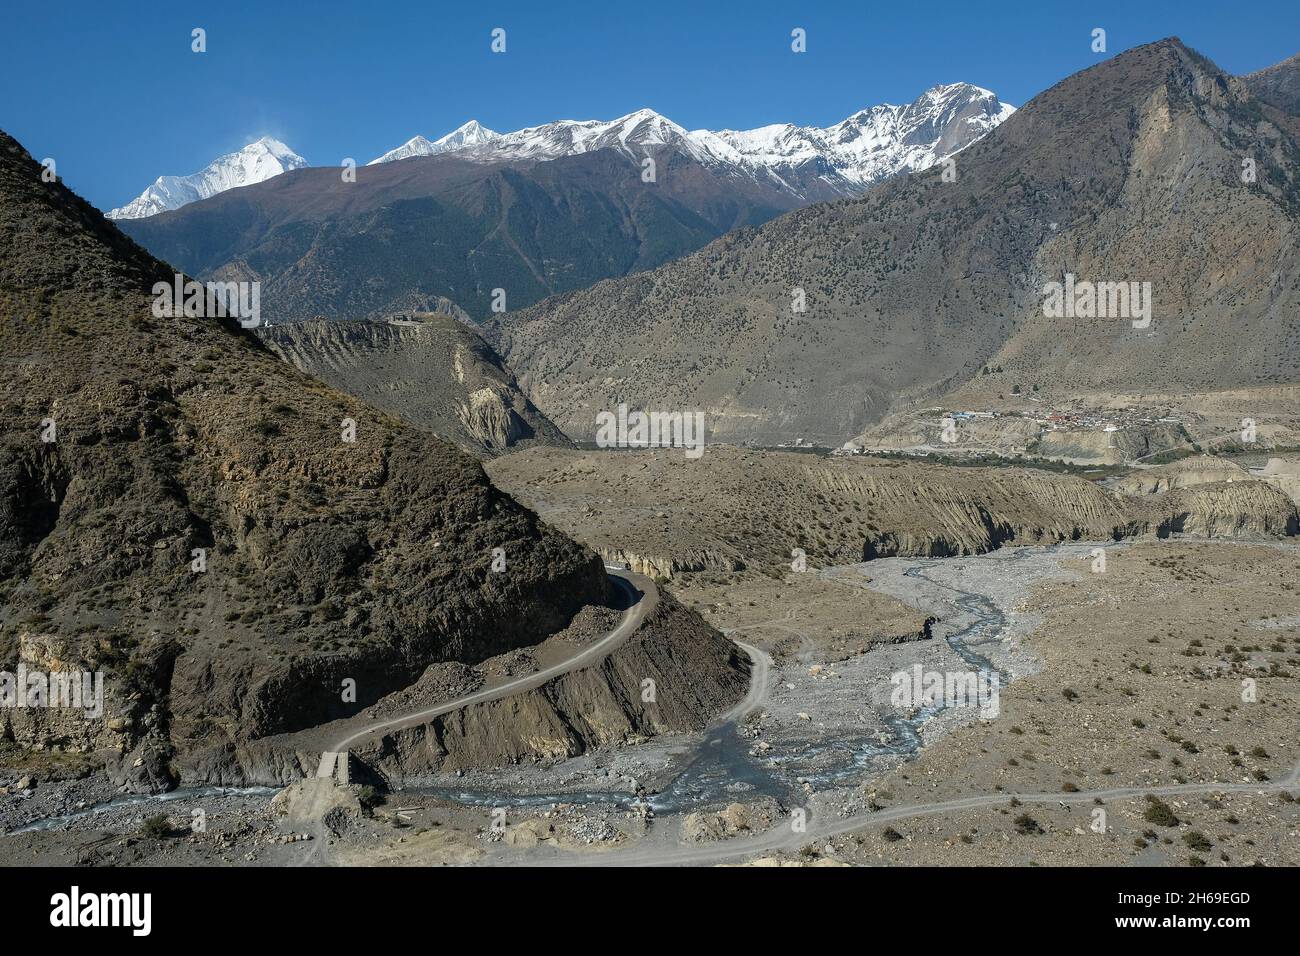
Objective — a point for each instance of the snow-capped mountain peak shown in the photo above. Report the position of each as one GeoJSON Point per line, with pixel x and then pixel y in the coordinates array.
{"type": "Point", "coordinates": [415, 146]}
{"type": "Point", "coordinates": [258, 161]}
{"type": "Point", "coordinates": [646, 126]}
{"type": "Point", "coordinates": [467, 136]}
{"type": "Point", "coordinates": [470, 134]}
{"type": "Point", "coordinates": [846, 158]}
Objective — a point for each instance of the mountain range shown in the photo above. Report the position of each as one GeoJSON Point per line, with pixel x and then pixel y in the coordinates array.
{"type": "Point", "coordinates": [1130, 171]}
{"type": "Point", "coordinates": [544, 211]}
{"type": "Point", "coordinates": [825, 319]}
{"type": "Point", "coordinates": [810, 162]}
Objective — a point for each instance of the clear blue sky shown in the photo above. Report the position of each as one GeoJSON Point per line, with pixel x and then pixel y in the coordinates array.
{"type": "Point", "coordinates": [111, 90]}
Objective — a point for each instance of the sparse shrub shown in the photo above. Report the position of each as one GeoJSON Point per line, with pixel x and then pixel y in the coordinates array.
{"type": "Point", "coordinates": [156, 827]}
{"type": "Point", "coordinates": [1027, 825]}
{"type": "Point", "coordinates": [1159, 813]}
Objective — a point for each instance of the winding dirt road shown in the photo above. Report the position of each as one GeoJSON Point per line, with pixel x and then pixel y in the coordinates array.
{"type": "Point", "coordinates": [642, 598]}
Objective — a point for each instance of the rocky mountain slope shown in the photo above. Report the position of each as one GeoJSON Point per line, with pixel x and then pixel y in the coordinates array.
{"type": "Point", "coordinates": [430, 369]}
{"type": "Point", "coordinates": [255, 163]}
{"type": "Point", "coordinates": [695, 676]}
{"type": "Point", "coordinates": [181, 511]}
{"type": "Point", "coordinates": [1130, 171]}
{"type": "Point", "coordinates": [1278, 88]}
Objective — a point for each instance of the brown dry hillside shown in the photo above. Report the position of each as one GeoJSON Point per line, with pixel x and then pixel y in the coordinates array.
{"type": "Point", "coordinates": [1278, 87]}
{"type": "Point", "coordinates": [1128, 171]}
{"type": "Point", "coordinates": [326, 560]}
{"type": "Point", "coordinates": [430, 369]}
{"type": "Point", "coordinates": [738, 509]}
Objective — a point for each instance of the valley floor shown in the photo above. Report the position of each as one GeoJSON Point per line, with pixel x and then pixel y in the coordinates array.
{"type": "Point", "coordinates": [1127, 682]}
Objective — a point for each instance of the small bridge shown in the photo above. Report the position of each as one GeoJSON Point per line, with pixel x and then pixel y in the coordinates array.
{"type": "Point", "coordinates": [336, 764]}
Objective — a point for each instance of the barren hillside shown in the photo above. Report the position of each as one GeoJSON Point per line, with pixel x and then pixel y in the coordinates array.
{"type": "Point", "coordinates": [199, 530]}
{"type": "Point", "coordinates": [734, 510]}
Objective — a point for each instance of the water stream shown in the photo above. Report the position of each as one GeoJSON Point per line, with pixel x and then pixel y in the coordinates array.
{"type": "Point", "coordinates": [142, 799]}
{"type": "Point", "coordinates": [719, 766]}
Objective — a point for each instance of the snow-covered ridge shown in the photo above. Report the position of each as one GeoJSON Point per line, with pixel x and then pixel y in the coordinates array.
{"type": "Point", "coordinates": [845, 158]}
{"type": "Point", "coordinates": [256, 162]}
{"type": "Point", "coordinates": [880, 141]}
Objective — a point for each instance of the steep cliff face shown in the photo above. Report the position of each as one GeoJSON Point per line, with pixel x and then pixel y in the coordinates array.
{"type": "Point", "coordinates": [1225, 510]}
{"type": "Point", "coordinates": [231, 543]}
{"type": "Point", "coordinates": [665, 566]}
{"type": "Point", "coordinates": [1283, 475]}
{"type": "Point", "coordinates": [427, 368]}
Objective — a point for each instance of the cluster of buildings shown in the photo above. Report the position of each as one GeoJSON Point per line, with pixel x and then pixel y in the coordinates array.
{"type": "Point", "coordinates": [1111, 421]}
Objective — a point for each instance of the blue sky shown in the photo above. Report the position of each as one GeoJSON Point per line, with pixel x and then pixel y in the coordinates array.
{"type": "Point", "coordinates": [113, 92]}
